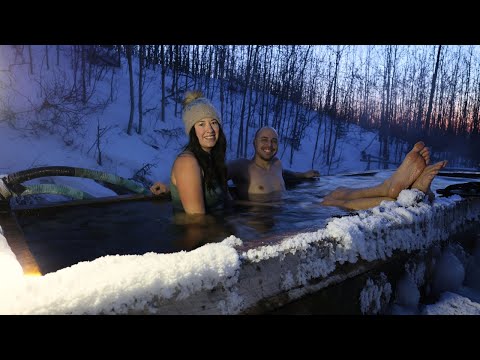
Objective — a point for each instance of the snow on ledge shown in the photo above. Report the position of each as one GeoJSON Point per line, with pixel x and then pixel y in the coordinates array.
{"type": "Point", "coordinates": [152, 282]}
{"type": "Point", "coordinates": [119, 284]}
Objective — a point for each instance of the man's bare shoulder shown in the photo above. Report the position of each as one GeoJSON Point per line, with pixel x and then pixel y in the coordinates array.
{"type": "Point", "coordinates": [277, 162]}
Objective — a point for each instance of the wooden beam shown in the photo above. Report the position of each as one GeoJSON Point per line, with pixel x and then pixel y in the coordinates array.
{"type": "Point", "coordinates": [16, 240]}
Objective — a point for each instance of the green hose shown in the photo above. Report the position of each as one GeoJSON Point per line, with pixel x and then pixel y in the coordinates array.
{"type": "Point", "coordinates": [112, 179]}
{"type": "Point", "coordinates": [55, 190]}
{"type": "Point", "coordinates": [11, 184]}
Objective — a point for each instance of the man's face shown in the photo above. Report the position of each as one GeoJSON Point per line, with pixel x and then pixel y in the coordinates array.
{"type": "Point", "coordinates": [266, 144]}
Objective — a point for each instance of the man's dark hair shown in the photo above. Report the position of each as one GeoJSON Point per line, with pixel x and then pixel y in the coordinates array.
{"type": "Point", "coordinates": [213, 163]}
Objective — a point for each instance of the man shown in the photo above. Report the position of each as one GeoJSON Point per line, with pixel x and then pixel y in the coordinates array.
{"type": "Point", "coordinates": [261, 179]}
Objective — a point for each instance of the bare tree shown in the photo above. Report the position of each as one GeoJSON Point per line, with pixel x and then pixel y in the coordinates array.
{"type": "Point", "coordinates": [163, 72]}
{"type": "Point", "coordinates": [231, 74]}
{"type": "Point", "coordinates": [141, 61]}
{"type": "Point", "coordinates": [330, 105]}
{"type": "Point", "coordinates": [390, 52]}
{"type": "Point", "coordinates": [46, 57]}
{"type": "Point", "coordinates": [30, 57]}
{"type": "Point", "coordinates": [84, 85]}
{"type": "Point", "coordinates": [453, 93]}
{"type": "Point", "coordinates": [432, 92]}
{"type": "Point", "coordinates": [222, 54]}
{"type": "Point", "coordinates": [97, 144]}
{"type": "Point", "coordinates": [175, 76]}
{"type": "Point", "coordinates": [466, 95]}
{"type": "Point", "coordinates": [128, 49]}
{"type": "Point", "coordinates": [296, 133]}
{"type": "Point", "coordinates": [240, 143]}
{"type": "Point", "coordinates": [249, 112]}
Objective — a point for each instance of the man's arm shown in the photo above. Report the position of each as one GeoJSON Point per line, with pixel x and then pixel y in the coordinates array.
{"type": "Point", "coordinates": [289, 174]}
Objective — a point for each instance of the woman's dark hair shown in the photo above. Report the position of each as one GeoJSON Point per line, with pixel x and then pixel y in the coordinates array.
{"type": "Point", "coordinates": [213, 163]}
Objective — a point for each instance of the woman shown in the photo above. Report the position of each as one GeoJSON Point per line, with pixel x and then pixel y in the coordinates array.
{"type": "Point", "coordinates": [198, 182]}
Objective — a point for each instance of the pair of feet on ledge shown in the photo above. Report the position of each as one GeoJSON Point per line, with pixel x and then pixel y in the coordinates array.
{"type": "Point", "coordinates": [414, 173]}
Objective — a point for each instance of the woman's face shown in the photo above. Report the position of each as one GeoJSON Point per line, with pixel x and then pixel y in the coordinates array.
{"type": "Point", "coordinates": [207, 131]}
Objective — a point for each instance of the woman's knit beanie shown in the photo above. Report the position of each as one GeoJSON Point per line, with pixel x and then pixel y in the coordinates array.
{"type": "Point", "coordinates": [196, 108]}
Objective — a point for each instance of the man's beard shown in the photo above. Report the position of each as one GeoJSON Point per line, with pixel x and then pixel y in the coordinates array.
{"type": "Point", "coordinates": [270, 158]}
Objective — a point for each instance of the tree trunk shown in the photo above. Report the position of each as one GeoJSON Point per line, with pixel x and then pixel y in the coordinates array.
{"type": "Point", "coordinates": [84, 80]}
{"type": "Point", "coordinates": [255, 56]}
{"type": "Point", "coordinates": [30, 58]}
{"type": "Point", "coordinates": [132, 96]}
{"type": "Point", "coordinates": [140, 88]}
{"type": "Point", "coordinates": [46, 57]}
{"type": "Point", "coordinates": [244, 99]}
{"type": "Point", "coordinates": [163, 70]}
{"type": "Point", "coordinates": [432, 92]}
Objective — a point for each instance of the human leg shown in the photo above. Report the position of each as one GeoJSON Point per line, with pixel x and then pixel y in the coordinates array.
{"type": "Point", "coordinates": [356, 204]}
{"type": "Point", "coordinates": [410, 169]}
{"type": "Point", "coordinates": [344, 193]}
{"type": "Point", "coordinates": [422, 183]}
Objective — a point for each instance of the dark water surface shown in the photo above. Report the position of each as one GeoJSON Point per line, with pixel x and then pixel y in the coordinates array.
{"type": "Point", "coordinates": [65, 236]}
{"type": "Point", "coordinates": [61, 237]}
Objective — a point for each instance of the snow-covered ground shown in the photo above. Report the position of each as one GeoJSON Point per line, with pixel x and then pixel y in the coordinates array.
{"type": "Point", "coordinates": [111, 284]}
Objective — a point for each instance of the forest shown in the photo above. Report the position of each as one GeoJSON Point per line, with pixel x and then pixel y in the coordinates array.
{"type": "Point", "coordinates": [404, 92]}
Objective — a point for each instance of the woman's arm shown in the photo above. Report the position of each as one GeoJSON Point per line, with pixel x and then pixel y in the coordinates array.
{"type": "Point", "coordinates": [187, 177]}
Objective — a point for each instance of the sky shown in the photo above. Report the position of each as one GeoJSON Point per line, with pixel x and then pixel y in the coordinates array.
{"type": "Point", "coordinates": [115, 284]}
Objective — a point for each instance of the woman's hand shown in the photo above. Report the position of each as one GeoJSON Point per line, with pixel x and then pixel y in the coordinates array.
{"type": "Point", "coordinates": [159, 188]}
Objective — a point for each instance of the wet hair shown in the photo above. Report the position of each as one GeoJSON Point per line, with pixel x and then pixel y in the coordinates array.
{"type": "Point", "coordinates": [213, 163]}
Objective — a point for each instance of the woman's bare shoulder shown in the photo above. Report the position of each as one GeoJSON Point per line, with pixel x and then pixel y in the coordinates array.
{"type": "Point", "coordinates": [185, 159]}
{"type": "Point", "coordinates": [185, 153]}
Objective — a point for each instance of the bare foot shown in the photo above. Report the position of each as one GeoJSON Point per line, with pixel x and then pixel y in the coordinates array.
{"type": "Point", "coordinates": [426, 177]}
{"type": "Point", "coordinates": [425, 153]}
{"type": "Point", "coordinates": [410, 169]}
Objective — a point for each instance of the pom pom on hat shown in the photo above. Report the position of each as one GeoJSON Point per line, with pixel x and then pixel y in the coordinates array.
{"type": "Point", "coordinates": [196, 108]}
